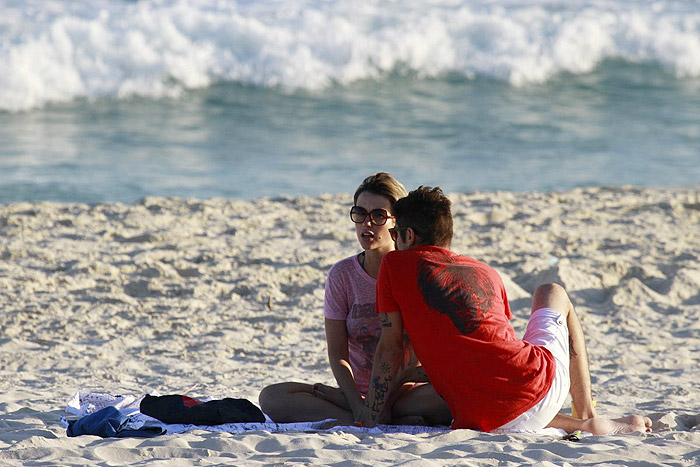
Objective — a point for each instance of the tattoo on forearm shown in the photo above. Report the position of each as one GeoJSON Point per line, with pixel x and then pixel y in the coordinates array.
{"type": "Point", "coordinates": [572, 352]}
{"type": "Point", "coordinates": [381, 388]}
{"type": "Point", "coordinates": [385, 322]}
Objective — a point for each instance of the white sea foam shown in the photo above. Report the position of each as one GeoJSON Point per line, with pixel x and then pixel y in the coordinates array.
{"type": "Point", "coordinates": [56, 51]}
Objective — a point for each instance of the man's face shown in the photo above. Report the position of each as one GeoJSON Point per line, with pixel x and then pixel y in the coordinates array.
{"type": "Point", "coordinates": [400, 239]}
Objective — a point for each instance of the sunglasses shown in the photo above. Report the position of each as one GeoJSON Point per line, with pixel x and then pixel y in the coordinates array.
{"type": "Point", "coordinates": [394, 232]}
{"type": "Point", "coordinates": [376, 216]}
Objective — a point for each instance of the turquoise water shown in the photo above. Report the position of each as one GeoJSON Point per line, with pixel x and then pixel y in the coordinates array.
{"type": "Point", "coordinates": [114, 100]}
{"type": "Point", "coordinates": [621, 124]}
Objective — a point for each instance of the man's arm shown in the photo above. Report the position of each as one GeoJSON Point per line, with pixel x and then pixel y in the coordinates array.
{"type": "Point", "coordinates": [388, 361]}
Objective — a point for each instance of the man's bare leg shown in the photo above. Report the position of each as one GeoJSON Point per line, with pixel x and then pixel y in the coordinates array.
{"type": "Point", "coordinates": [554, 296]}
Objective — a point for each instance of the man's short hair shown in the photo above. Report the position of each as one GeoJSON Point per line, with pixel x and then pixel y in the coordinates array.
{"type": "Point", "coordinates": [427, 211]}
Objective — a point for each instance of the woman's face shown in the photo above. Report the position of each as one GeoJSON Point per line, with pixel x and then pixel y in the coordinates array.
{"type": "Point", "coordinates": [370, 235]}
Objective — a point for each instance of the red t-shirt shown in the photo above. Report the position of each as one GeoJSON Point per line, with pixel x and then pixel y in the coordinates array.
{"type": "Point", "coordinates": [455, 311]}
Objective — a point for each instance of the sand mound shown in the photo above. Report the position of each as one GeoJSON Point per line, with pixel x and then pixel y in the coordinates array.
{"type": "Point", "coordinates": [222, 297]}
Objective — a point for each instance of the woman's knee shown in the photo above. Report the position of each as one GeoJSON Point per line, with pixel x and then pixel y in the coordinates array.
{"type": "Point", "coordinates": [272, 395]}
{"type": "Point", "coordinates": [266, 396]}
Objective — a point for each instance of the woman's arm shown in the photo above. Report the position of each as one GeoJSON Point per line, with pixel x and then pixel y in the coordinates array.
{"type": "Point", "coordinates": [338, 357]}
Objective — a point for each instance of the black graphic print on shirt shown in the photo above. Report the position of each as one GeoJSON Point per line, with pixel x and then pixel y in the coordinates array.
{"type": "Point", "coordinates": [460, 292]}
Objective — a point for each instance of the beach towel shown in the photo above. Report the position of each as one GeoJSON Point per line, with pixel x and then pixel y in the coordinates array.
{"type": "Point", "coordinates": [85, 403]}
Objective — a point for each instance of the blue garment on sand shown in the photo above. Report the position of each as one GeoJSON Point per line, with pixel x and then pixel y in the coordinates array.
{"type": "Point", "coordinates": [109, 423]}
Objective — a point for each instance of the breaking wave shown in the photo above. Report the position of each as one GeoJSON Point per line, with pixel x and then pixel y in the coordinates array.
{"type": "Point", "coordinates": [57, 51]}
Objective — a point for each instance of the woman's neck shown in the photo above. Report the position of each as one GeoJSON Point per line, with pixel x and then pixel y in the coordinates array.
{"type": "Point", "coordinates": [372, 261]}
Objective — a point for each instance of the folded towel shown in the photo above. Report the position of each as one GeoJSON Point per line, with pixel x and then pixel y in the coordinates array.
{"type": "Point", "coordinates": [109, 423]}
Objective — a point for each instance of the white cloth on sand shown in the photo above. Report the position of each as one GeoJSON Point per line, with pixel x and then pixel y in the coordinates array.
{"type": "Point", "coordinates": [85, 403]}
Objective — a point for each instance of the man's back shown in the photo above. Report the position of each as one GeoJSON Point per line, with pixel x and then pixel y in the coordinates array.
{"type": "Point", "coordinates": [456, 313]}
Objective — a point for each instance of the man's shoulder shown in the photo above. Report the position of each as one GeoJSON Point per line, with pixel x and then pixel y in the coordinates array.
{"type": "Point", "coordinates": [394, 254]}
{"type": "Point", "coordinates": [417, 253]}
{"type": "Point", "coordinates": [474, 263]}
{"type": "Point", "coordinates": [468, 260]}
{"type": "Point", "coordinates": [445, 256]}
{"type": "Point", "coordinates": [483, 268]}
{"type": "Point", "coordinates": [401, 255]}
{"type": "Point", "coordinates": [439, 255]}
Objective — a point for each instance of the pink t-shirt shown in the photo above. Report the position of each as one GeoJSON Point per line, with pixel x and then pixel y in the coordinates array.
{"type": "Point", "coordinates": [350, 297]}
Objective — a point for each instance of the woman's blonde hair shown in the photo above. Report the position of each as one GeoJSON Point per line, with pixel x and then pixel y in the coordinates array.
{"type": "Point", "coordinates": [382, 184]}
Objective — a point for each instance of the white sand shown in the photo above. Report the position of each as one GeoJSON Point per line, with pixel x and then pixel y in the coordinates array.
{"type": "Point", "coordinates": [226, 297]}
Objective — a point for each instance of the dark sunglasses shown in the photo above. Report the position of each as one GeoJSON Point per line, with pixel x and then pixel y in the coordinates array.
{"type": "Point", "coordinates": [394, 232]}
{"type": "Point", "coordinates": [376, 216]}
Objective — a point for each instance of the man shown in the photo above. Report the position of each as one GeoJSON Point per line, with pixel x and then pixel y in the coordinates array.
{"type": "Point", "coordinates": [455, 312]}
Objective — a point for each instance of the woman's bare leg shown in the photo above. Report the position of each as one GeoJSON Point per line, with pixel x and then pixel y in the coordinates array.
{"type": "Point", "coordinates": [300, 402]}
{"type": "Point", "coordinates": [421, 405]}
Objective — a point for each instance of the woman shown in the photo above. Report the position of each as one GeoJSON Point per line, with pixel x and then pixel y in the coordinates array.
{"type": "Point", "coordinates": [353, 329]}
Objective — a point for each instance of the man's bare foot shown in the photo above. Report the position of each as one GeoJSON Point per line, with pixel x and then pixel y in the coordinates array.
{"type": "Point", "coordinates": [606, 426]}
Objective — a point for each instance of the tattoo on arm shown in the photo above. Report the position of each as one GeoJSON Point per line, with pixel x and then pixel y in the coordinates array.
{"type": "Point", "coordinates": [381, 389]}
{"type": "Point", "coordinates": [572, 352]}
{"type": "Point", "coordinates": [386, 323]}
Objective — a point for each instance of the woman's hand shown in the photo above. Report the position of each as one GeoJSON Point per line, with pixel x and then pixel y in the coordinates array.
{"type": "Point", "coordinates": [333, 395]}
{"type": "Point", "coordinates": [358, 406]}
{"type": "Point", "coordinates": [337, 397]}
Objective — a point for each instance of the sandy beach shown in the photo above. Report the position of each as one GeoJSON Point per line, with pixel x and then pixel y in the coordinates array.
{"type": "Point", "coordinates": [219, 298]}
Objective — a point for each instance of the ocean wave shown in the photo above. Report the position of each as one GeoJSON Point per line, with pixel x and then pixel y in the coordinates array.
{"type": "Point", "coordinates": [57, 51]}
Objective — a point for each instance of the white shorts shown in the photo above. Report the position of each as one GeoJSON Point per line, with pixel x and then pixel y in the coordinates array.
{"type": "Point", "coordinates": [547, 328]}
